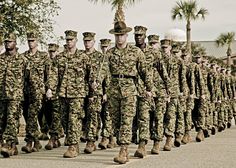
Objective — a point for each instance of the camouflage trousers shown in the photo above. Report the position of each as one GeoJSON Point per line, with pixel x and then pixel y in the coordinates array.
{"type": "Point", "coordinates": [106, 120]}
{"type": "Point", "coordinates": [213, 115]}
{"type": "Point", "coordinates": [198, 114]}
{"type": "Point", "coordinates": [179, 125]}
{"type": "Point", "coordinates": [158, 130]}
{"type": "Point", "coordinates": [55, 126]}
{"type": "Point", "coordinates": [44, 116]}
{"type": "Point", "coordinates": [223, 113]}
{"type": "Point", "coordinates": [9, 118]}
{"type": "Point", "coordinates": [143, 118]}
{"type": "Point", "coordinates": [208, 113]}
{"type": "Point", "coordinates": [73, 113]}
{"type": "Point", "coordinates": [170, 116]}
{"type": "Point", "coordinates": [188, 114]}
{"type": "Point", "coordinates": [122, 110]}
{"type": "Point", "coordinates": [94, 117]}
{"type": "Point", "coordinates": [32, 130]}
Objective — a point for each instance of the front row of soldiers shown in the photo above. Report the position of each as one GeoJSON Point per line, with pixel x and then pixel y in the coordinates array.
{"type": "Point", "coordinates": [146, 90]}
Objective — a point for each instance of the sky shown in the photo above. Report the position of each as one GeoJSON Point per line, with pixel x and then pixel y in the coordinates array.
{"type": "Point", "coordinates": [82, 15]}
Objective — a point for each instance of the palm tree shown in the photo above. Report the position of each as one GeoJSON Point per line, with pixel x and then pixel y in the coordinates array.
{"type": "Point", "coordinates": [118, 5]}
{"type": "Point", "coordinates": [226, 39]}
{"type": "Point", "coordinates": [188, 10]}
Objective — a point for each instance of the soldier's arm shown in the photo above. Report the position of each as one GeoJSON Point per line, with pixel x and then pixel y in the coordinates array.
{"type": "Point", "coordinates": [143, 70]}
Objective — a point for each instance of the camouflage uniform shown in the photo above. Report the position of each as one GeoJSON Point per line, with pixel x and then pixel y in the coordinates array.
{"type": "Point", "coordinates": [53, 104]}
{"type": "Point", "coordinates": [100, 75]}
{"type": "Point", "coordinates": [11, 84]}
{"type": "Point", "coordinates": [125, 66]}
{"type": "Point", "coordinates": [230, 96]}
{"type": "Point", "coordinates": [198, 113]}
{"type": "Point", "coordinates": [72, 89]}
{"type": "Point", "coordinates": [34, 90]}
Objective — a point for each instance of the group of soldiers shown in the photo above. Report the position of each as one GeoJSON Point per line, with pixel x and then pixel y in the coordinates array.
{"type": "Point", "coordinates": [127, 93]}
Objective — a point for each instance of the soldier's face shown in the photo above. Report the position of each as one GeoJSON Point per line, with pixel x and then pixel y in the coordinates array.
{"type": "Point", "coordinates": [154, 45]}
{"type": "Point", "coordinates": [71, 43]}
{"type": "Point", "coordinates": [121, 38]}
{"type": "Point", "coordinates": [32, 44]}
{"type": "Point", "coordinates": [166, 49]}
{"type": "Point", "coordinates": [88, 44]}
{"type": "Point", "coordinates": [10, 45]}
{"type": "Point", "coordinates": [139, 38]}
{"type": "Point", "coordinates": [104, 49]}
{"type": "Point", "coordinates": [52, 54]}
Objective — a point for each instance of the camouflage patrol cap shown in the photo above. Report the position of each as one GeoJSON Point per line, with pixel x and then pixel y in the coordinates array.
{"type": "Point", "coordinates": [32, 35]}
{"type": "Point", "coordinates": [228, 69]}
{"type": "Point", "coordinates": [140, 30]}
{"type": "Point", "coordinates": [10, 37]}
{"type": "Point", "coordinates": [120, 28]}
{"type": "Point", "coordinates": [70, 34]}
{"type": "Point", "coordinates": [105, 42]}
{"type": "Point", "coordinates": [53, 47]}
{"type": "Point", "coordinates": [214, 62]}
{"type": "Point", "coordinates": [197, 56]}
{"type": "Point", "coordinates": [153, 38]}
{"type": "Point", "coordinates": [165, 42]}
{"type": "Point", "coordinates": [88, 36]}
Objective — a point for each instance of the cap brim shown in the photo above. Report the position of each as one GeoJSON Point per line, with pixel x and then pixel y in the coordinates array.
{"type": "Point", "coordinates": [124, 31]}
{"type": "Point", "coordinates": [70, 37]}
{"type": "Point", "coordinates": [87, 39]}
{"type": "Point", "coordinates": [10, 40]}
{"type": "Point", "coordinates": [153, 41]}
{"type": "Point", "coordinates": [164, 46]}
{"type": "Point", "coordinates": [31, 39]}
{"type": "Point", "coordinates": [104, 45]}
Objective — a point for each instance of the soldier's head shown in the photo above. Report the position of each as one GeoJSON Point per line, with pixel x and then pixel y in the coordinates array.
{"type": "Point", "coordinates": [105, 44]}
{"type": "Point", "coordinates": [52, 49]}
{"type": "Point", "coordinates": [228, 71]}
{"type": "Point", "coordinates": [205, 60]}
{"type": "Point", "coordinates": [89, 40]}
{"type": "Point", "coordinates": [153, 41]}
{"type": "Point", "coordinates": [198, 59]}
{"type": "Point", "coordinates": [10, 41]}
{"type": "Point", "coordinates": [184, 54]}
{"type": "Point", "coordinates": [121, 32]}
{"type": "Point", "coordinates": [223, 70]}
{"type": "Point", "coordinates": [166, 46]}
{"type": "Point", "coordinates": [32, 38]}
{"type": "Point", "coordinates": [176, 48]}
{"type": "Point", "coordinates": [213, 65]}
{"type": "Point", "coordinates": [71, 38]}
{"type": "Point", "coordinates": [140, 34]}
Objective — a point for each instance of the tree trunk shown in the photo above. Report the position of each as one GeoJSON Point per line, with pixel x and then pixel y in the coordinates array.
{"type": "Point", "coordinates": [229, 53]}
{"type": "Point", "coordinates": [188, 35]}
{"type": "Point", "coordinates": [119, 15]}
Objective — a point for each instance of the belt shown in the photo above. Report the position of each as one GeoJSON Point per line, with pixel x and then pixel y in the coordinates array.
{"type": "Point", "coordinates": [123, 76]}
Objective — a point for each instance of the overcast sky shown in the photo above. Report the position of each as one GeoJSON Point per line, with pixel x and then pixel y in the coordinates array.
{"type": "Point", "coordinates": [82, 15]}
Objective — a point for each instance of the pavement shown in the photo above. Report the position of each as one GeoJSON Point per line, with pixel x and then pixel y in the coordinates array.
{"type": "Point", "coordinates": [218, 151]}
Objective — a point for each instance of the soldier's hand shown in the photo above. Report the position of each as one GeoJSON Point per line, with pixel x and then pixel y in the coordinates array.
{"type": "Point", "coordinates": [104, 98]}
{"type": "Point", "coordinates": [148, 94]}
{"type": "Point", "coordinates": [49, 94]}
{"type": "Point", "coordinates": [203, 96]}
{"type": "Point", "coordinates": [91, 99]}
{"type": "Point", "coordinates": [168, 99]}
{"type": "Point", "coordinates": [234, 98]}
{"type": "Point", "coordinates": [191, 96]}
{"type": "Point", "coordinates": [94, 85]}
{"type": "Point", "coordinates": [225, 98]}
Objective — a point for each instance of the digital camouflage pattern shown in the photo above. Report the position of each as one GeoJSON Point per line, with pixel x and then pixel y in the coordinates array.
{"type": "Point", "coordinates": [12, 70]}
{"type": "Point", "coordinates": [125, 66]}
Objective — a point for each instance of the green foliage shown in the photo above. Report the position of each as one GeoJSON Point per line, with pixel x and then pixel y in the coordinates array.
{"type": "Point", "coordinates": [20, 16]}
{"type": "Point", "coordinates": [188, 10]}
{"type": "Point", "coordinates": [225, 39]}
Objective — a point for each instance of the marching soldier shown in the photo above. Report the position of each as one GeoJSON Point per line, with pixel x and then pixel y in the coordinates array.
{"type": "Point", "coordinates": [34, 90]}
{"type": "Point", "coordinates": [126, 64]}
{"type": "Point", "coordinates": [52, 106]}
{"type": "Point", "coordinates": [97, 96]}
{"type": "Point", "coordinates": [12, 67]}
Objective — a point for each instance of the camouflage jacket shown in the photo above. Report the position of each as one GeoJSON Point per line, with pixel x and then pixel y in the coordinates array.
{"type": "Point", "coordinates": [173, 69]}
{"type": "Point", "coordinates": [213, 85]}
{"type": "Point", "coordinates": [69, 75]}
{"type": "Point", "coordinates": [190, 78]}
{"type": "Point", "coordinates": [12, 70]}
{"type": "Point", "coordinates": [205, 74]}
{"type": "Point", "coordinates": [228, 87]}
{"type": "Point", "coordinates": [35, 74]}
{"type": "Point", "coordinates": [100, 72]}
{"type": "Point", "coordinates": [199, 82]}
{"type": "Point", "coordinates": [161, 80]}
{"type": "Point", "coordinates": [129, 63]}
